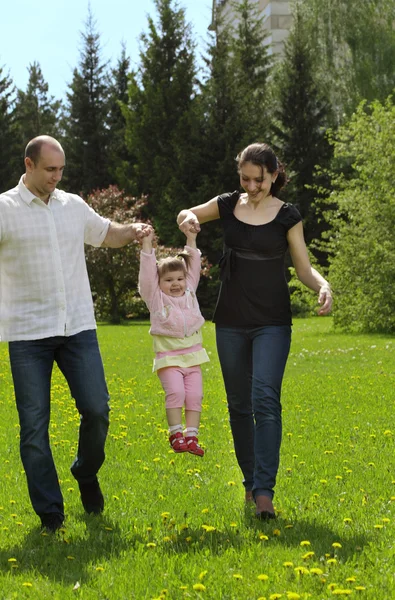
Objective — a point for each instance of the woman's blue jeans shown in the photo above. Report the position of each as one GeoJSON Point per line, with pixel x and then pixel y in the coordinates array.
{"type": "Point", "coordinates": [78, 357]}
{"type": "Point", "coordinates": [253, 361]}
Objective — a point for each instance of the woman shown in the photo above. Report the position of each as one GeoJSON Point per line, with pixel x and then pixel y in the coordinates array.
{"type": "Point", "coordinates": [253, 313]}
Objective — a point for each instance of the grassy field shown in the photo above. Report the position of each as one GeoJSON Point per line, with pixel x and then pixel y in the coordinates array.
{"type": "Point", "coordinates": [175, 526]}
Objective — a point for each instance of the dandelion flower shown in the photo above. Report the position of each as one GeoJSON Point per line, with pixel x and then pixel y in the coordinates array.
{"type": "Point", "coordinates": [360, 588]}
{"type": "Point", "coordinates": [275, 596]}
{"type": "Point", "coordinates": [99, 568]}
{"type": "Point", "coordinates": [305, 543]}
{"type": "Point", "coordinates": [316, 571]}
{"type": "Point", "coordinates": [202, 575]}
{"type": "Point", "coordinates": [205, 510]}
{"type": "Point", "coordinates": [288, 563]}
{"type": "Point", "coordinates": [293, 596]}
{"type": "Point", "coordinates": [276, 532]}
{"type": "Point", "coordinates": [27, 584]}
{"type": "Point", "coordinates": [308, 555]}
{"type": "Point", "coordinates": [340, 592]}
{"type": "Point", "coordinates": [237, 576]}
{"type": "Point", "coordinates": [231, 483]}
{"type": "Point", "coordinates": [151, 545]}
{"type": "Point", "coordinates": [347, 520]}
{"type": "Point", "coordinates": [351, 579]}
{"type": "Point", "coordinates": [199, 587]}
{"type": "Point", "coordinates": [262, 536]}
{"type": "Point", "coordinates": [336, 545]}
{"type": "Point", "coordinates": [301, 570]}
{"type": "Point", "coordinates": [331, 561]}
{"type": "Point", "coordinates": [263, 577]}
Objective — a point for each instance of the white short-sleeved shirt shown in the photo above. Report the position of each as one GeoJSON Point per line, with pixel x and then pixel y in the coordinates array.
{"type": "Point", "coordinates": [44, 286]}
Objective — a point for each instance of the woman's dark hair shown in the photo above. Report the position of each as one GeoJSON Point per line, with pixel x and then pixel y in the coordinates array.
{"type": "Point", "coordinates": [181, 262]}
{"type": "Point", "coordinates": [262, 155]}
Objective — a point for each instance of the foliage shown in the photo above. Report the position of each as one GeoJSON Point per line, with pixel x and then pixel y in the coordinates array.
{"type": "Point", "coordinates": [300, 120]}
{"type": "Point", "coordinates": [85, 124]}
{"type": "Point", "coordinates": [172, 522]}
{"type": "Point", "coordinates": [36, 113]}
{"type": "Point", "coordinates": [362, 238]}
{"type": "Point", "coordinates": [354, 43]}
{"type": "Point", "coordinates": [160, 122]}
{"type": "Point", "coordinates": [113, 272]}
{"type": "Point", "coordinates": [10, 166]}
{"type": "Point", "coordinates": [120, 160]}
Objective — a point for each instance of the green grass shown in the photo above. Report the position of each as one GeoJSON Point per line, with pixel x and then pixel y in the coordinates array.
{"type": "Point", "coordinates": [173, 522]}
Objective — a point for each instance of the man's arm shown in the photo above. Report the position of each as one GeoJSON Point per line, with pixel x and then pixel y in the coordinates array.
{"type": "Point", "coordinates": [119, 235]}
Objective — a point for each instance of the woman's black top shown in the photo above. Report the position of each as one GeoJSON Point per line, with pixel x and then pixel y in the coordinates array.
{"type": "Point", "coordinates": [254, 290]}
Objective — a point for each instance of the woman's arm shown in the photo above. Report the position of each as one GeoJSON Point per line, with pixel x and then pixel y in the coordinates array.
{"type": "Point", "coordinates": [309, 276]}
{"type": "Point", "coordinates": [191, 218]}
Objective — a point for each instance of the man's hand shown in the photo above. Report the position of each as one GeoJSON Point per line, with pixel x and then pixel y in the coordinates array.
{"type": "Point", "coordinates": [143, 230]}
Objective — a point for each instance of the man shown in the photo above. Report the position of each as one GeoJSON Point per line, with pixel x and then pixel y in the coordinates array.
{"type": "Point", "coordinates": [46, 315]}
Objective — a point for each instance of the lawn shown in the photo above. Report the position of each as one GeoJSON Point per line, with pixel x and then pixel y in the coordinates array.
{"type": "Point", "coordinates": [175, 526]}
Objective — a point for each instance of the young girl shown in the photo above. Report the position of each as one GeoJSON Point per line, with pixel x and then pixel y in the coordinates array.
{"type": "Point", "coordinates": [169, 290]}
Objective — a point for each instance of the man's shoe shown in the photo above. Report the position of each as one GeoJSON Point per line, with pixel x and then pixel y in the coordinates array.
{"type": "Point", "coordinates": [91, 497]}
{"type": "Point", "coordinates": [193, 445]}
{"type": "Point", "coordinates": [51, 522]}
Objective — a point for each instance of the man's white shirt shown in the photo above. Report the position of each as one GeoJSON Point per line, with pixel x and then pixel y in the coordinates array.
{"type": "Point", "coordinates": [44, 285]}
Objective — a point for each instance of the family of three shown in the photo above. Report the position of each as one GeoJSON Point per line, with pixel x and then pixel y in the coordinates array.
{"type": "Point", "coordinates": [47, 316]}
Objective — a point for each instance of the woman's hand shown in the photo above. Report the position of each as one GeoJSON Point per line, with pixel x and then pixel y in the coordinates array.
{"type": "Point", "coordinates": [190, 225]}
{"type": "Point", "coordinates": [325, 299]}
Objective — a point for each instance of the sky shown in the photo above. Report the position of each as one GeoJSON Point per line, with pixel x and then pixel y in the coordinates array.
{"type": "Point", "coordinates": [49, 32]}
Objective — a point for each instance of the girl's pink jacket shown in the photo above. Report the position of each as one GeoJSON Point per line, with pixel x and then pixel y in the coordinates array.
{"type": "Point", "coordinates": [171, 316]}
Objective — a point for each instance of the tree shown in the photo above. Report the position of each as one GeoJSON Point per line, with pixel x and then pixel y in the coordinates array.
{"type": "Point", "coordinates": [362, 236]}
{"type": "Point", "coordinates": [119, 157]}
{"type": "Point", "coordinates": [85, 124]}
{"type": "Point", "coordinates": [10, 169]}
{"type": "Point", "coordinates": [113, 272]}
{"type": "Point", "coordinates": [159, 116]}
{"type": "Point", "coordinates": [36, 113]}
{"type": "Point", "coordinates": [354, 44]}
{"type": "Point", "coordinates": [301, 119]}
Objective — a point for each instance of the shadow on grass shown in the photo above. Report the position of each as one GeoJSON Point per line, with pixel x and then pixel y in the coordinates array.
{"type": "Point", "coordinates": [274, 532]}
{"type": "Point", "coordinates": [69, 555]}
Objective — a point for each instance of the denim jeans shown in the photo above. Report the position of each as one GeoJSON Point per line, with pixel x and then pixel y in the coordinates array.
{"type": "Point", "coordinates": [78, 357]}
{"type": "Point", "coordinates": [253, 361]}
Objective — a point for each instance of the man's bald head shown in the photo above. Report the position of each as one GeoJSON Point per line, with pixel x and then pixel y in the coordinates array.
{"type": "Point", "coordinates": [34, 147]}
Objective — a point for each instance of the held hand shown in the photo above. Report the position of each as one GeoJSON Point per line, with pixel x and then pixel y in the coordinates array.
{"type": "Point", "coordinates": [143, 230]}
{"type": "Point", "coordinates": [190, 225]}
{"type": "Point", "coordinates": [325, 300]}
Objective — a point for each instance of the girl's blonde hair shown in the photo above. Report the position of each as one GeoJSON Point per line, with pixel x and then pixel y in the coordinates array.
{"type": "Point", "coordinates": [181, 262]}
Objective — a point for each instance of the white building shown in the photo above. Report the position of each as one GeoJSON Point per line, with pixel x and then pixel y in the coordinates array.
{"type": "Point", "coordinates": [276, 14]}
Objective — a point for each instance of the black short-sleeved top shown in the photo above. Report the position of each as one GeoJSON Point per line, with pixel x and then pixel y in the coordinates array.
{"type": "Point", "coordinates": [254, 290]}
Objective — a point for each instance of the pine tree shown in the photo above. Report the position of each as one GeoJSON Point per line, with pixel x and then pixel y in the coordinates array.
{"type": "Point", "coordinates": [36, 113]}
{"type": "Point", "coordinates": [119, 157]}
{"type": "Point", "coordinates": [160, 117]}
{"type": "Point", "coordinates": [10, 167]}
{"type": "Point", "coordinates": [86, 134]}
{"type": "Point", "coordinates": [302, 117]}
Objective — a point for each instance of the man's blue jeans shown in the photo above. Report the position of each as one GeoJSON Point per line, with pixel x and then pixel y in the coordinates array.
{"type": "Point", "coordinates": [253, 362]}
{"type": "Point", "coordinates": [78, 357]}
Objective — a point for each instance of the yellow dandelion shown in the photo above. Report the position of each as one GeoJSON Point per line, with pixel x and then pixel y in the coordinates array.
{"type": "Point", "coordinates": [12, 560]}
{"type": "Point", "coordinates": [385, 520]}
{"type": "Point", "coordinates": [331, 561]}
{"type": "Point", "coordinates": [336, 545]}
{"type": "Point", "coordinates": [156, 459]}
{"type": "Point", "coordinates": [27, 584]}
{"type": "Point", "coordinates": [208, 528]}
{"type": "Point", "coordinates": [316, 571]}
{"type": "Point", "coordinates": [263, 577]}
{"type": "Point", "coordinates": [167, 538]}
{"type": "Point", "coordinates": [165, 515]}
{"type": "Point", "coordinates": [276, 532]}
{"type": "Point", "coordinates": [379, 526]}
{"type": "Point", "coordinates": [305, 543]}
{"type": "Point", "coordinates": [149, 529]}
{"type": "Point", "coordinates": [99, 568]}
{"type": "Point", "coordinates": [301, 570]}
{"type": "Point", "coordinates": [340, 592]}
{"type": "Point", "coordinates": [275, 596]}
{"type": "Point", "coordinates": [199, 587]}
{"type": "Point", "coordinates": [323, 481]}
{"type": "Point", "coordinates": [237, 576]}
{"type": "Point", "coordinates": [205, 511]}
{"type": "Point", "coordinates": [308, 555]}
{"type": "Point", "coordinates": [332, 586]}
{"type": "Point", "coordinates": [351, 579]}
{"type": "Point", "coordinates": [233, 524]}
{"type": "Point", "coordinates": [188, 539]}
{"type": "Point", "coordinates": [262, 536]}
{"type": "Point", "coordinates": [293, 596]}
{"type": "Point", "coordinates": [288, 563]}
{"type": "Point", "coordinates": [360, 588]}
{"type": "Point", "coordinates": [151, 545]}
{"type": "Point", "coordinates": [347, 520]}
{"type": "Point", "coordinates": [338, 477]}
{"type": "Point", "coordinates": [70, 557]}
{"type": "Point", "coordinates": [289, 526]}
{"type": "Point", "coordinates": [202, 575]}
{"type": "Point", "coordinates": [231, 483]}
